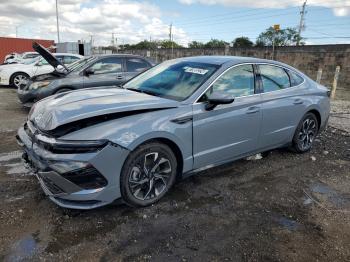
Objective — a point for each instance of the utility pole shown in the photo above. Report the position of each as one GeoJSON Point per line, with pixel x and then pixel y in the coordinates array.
{"type": "Point", "coordinates": [112, 42]}
{"type": "Point", "coordinates": [302, 21]}
{"type": "Point", "coordinates": [17, 31]}
{"type": "Point", "coordinates": [58, 27]}
{"type": "Point", "coordinates": [171, 38]}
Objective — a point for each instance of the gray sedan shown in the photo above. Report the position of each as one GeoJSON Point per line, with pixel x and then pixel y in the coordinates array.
{"type": "Point", "coordinates": [89, 148]}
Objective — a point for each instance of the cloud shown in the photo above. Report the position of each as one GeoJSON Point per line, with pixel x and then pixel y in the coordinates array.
{"type": "Point", "coordinates": [340, 8]}
{"type": "Point", "coordinates": [131, 21]}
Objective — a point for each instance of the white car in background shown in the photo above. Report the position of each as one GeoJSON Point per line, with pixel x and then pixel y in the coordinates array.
{"type": "Point", "coordinates": [17, 74]}
{"type": "Point", "coordinates": [21, 58]}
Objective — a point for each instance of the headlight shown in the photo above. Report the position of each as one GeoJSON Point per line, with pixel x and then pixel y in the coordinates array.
{"type": "Point", "coordinates": [37, 85]}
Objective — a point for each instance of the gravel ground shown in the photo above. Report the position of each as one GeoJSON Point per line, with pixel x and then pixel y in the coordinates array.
{"type": "Point", "coordinates": [283, 207]}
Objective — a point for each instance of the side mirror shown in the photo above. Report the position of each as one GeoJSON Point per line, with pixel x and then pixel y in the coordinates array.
{"type": "Point", "coordinates": [89, 71]}
{"type": "Point", "coordinates": [218, 98]}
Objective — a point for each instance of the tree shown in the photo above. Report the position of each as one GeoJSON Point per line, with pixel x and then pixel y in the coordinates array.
{"type": "Point", "coordinates": [195, 44]}
{"type": "Point", "coordinates": [283, 37]}
{"type": "Point", "coordinates": [242, 42]}
{"type": "Point", "coordinates": [169, 44]}
{"type": "Point", "coordinates": [144, 45]}
{"type": "Point", "coordinates": [215, 43]}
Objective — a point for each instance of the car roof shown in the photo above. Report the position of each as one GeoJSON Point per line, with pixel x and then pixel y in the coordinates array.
{"type": "Point", "coordinates": [220, 60]}
{"type": "Point", "coordinates": [117, 55]}
{"type": "Point", "coordinates": [68, 54]}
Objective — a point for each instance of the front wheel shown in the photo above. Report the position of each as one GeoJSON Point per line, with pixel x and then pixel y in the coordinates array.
{"type": "Point", "coordinates": [18, 79]}
{"type": "Point", "coordinates": [148, 173]}
{"type": "Point", "coordinates": [305, 133]}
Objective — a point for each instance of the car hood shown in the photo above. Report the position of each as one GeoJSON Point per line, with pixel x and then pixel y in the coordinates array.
{"type": "Point", "coordinates": [72, 107]}
{"type": "Point", "coordinates": [48, 56]}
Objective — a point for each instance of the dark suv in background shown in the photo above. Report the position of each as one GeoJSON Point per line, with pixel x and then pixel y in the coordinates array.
{"type": "Point", "coordinates": [93, 71]}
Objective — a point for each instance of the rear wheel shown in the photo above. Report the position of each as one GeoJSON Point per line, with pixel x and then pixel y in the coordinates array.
{"type": "Point", "coordinates": [148, 173]}
{"type": "Point", "coordinates": [305, 133]}
{"type": "Point", "coordinates": [18, 79]}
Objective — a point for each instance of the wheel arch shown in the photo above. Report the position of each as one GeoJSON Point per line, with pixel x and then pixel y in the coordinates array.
{"type": "Point", "coordinates": [18, 72]}
{"type": "Point", "coordinates": [64, 87]}
{"type": "Point", "coordinates": [167, 140]}
{"type": "Point", "coordinates": [318, 116]}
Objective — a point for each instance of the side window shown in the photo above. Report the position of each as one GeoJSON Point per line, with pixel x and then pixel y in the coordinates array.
{"type": "Point", "coordinates": [108, 65]}
{"type": "Point", "coordinates": [295, 79]}
{"type": "Point", "coordinates": [237, 81]}
{"type": "Point", "coordinates": [273, 78]}
{"type": "Point", "coordinates": [70, 59]}
{"type": "Point", "coordinates": [136, 65]}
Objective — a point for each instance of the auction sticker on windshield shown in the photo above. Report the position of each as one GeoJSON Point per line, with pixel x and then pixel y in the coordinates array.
{"type": "Point", "coordinates": [193, 70]}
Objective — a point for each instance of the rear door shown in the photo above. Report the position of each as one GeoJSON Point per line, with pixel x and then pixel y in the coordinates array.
{"type": "Point", "coordinates": [107, 71]}
{"type": "Point", "coordinates": [283, 105]}
{"type": "Point", "coordinates": [135, 66]}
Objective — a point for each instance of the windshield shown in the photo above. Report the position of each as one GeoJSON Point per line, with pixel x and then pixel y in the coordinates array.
{"type": "Point", "coordinates": [78, 64]}
{"type": "Point", "coordinates": [30, 61]}
{"type": "Point", "coordinates": [172, 79]}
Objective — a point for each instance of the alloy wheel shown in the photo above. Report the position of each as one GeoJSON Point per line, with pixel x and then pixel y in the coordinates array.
{"type": "Point", "coordinates": [19, 80]}
{"type": "Point", "coordinates": [307, 133]}
{"type": "Point", "coordinates": [150, 176]}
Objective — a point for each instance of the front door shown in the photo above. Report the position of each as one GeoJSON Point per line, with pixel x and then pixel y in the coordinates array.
{"type": "Point", "coordinates": [105, 72]}
{"type": "Point", "coordinates": [227, 131]}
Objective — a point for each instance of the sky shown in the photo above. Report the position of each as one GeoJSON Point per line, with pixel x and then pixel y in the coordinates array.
{"type": "Point", "coordinates": [326, 21]}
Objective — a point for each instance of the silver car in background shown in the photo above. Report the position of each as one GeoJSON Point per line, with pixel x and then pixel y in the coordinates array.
{"type": "Point", "coordinates": [91, 147]}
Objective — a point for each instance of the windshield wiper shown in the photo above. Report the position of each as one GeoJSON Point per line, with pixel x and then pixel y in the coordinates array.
{"type": "Point", "coordinates": [143, 91]}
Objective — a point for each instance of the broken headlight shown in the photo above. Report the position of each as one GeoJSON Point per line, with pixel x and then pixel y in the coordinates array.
{"type": "Point", "coordinates": [40, 84]}
{"type": "Point", "coordinates": [70, 146]}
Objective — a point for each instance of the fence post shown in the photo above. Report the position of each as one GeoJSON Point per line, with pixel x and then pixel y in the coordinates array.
{"type": "Point", "coordinates": [319, 75]}
{"type": "Point", "coordinates": [335, 82]}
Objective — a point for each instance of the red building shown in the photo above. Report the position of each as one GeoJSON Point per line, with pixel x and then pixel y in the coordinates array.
{"type": "Point", "coordinates": [19, 45]}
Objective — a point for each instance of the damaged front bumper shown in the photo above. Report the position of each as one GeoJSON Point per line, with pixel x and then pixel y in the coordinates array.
{"type": "Point", "coordinates": [73, 176]}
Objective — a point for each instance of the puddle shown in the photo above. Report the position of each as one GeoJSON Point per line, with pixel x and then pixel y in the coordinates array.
{"type": "Point", "coordinates": [6, 157]}
{"type": "Point", "coordinates": [337, 199]}
{"type": "Point", "coordinates": [287, 223]}
{"type": "Point", "coordinates": [23, 249]}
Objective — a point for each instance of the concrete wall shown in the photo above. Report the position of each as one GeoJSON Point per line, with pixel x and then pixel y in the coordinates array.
{"type": "Point", "coordinates": [308, 59]}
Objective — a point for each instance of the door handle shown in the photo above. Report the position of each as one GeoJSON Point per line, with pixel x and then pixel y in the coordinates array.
{"type": "Point", "coordinates": [119, 77]}
{"type": "Point", "coordinates": [253, 109]}
{"type": "Point", "coordinates": [298, 102]}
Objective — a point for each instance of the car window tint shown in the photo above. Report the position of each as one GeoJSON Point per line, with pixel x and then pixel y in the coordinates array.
{"type": "Point", "coordinates": [60, 58]}
{"type": "Point", "coordinates": [295, 78]}
{"type": "Point", "coordinates": [273, 78]}
{"type": "Point", "coordinates": [108, 65]}
{"type": "Point", "coordinates": [136, 65]}
{"type": "Point", "coordinates": [237, 81]}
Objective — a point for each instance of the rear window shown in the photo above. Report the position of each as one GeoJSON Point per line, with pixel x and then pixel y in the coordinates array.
{"type": "Point", "coordinates": [136, 65]}
{"type": "Point", "coordinates": [295, 79]}
{"type": "Point", "coordinates": [273, 78]}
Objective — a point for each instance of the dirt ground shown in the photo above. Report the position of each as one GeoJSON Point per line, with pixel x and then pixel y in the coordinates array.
{"type": "Point", "coordinates": [283, 207]}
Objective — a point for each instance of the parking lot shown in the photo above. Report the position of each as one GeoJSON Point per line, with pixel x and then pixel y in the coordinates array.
{"type": "Point", "coordinates": [283, 207]}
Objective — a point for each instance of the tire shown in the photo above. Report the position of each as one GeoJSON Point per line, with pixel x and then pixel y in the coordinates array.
{"type": "Point", "coordinates": [141, 183]}
{"type": "Point", "coordinates": [62, 90]}
{"type": "Point", "coordinates": [305, 133]}
{"type": "Point", "coordinates": [16, 79]}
